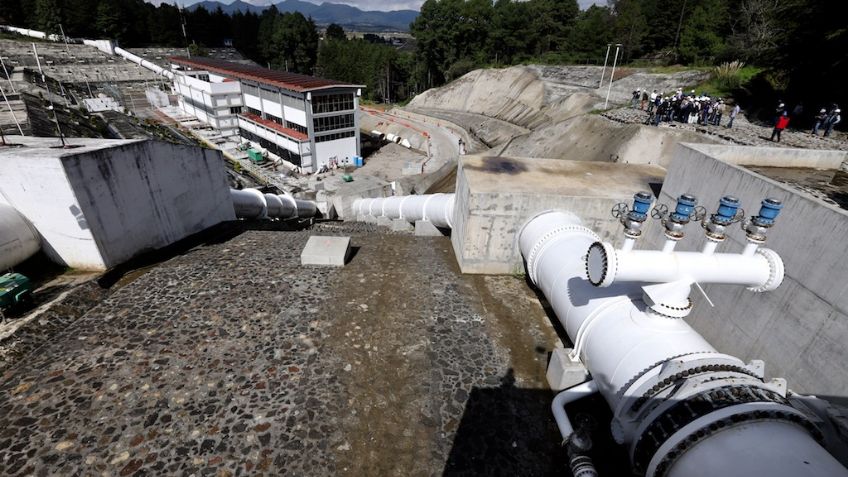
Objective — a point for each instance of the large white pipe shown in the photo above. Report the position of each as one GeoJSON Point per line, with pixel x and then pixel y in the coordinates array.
{"type": "Point", "coordinates": [30, 33]}
{"type": "Point", "coordinates": [762, 271]}
{"type": "Point", "coordinates": [554, 244]}
{"type": "Point", "coordinates": [253, 204]}
{"type": "Point", "coordinates": [142, 62]}
{"type": "Point", "coordinates": [669, 389]}
{"type": "Point", "coordinates": [436, 208]}
{"type": "Point", "coordinates": [18, 239]}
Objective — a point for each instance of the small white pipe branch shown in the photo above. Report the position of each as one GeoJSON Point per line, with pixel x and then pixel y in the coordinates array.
{"type": "Point", "coordinates": [566, 397]}
{"type": "Point", "coordinates": [750, 249]}
{"type": "Point", "coordinates": [629, 242]}
{"type": "Point", "coordinates": [669, 245]}
{"type": "Point", "coordinates": [762, 270]}
{"type": "Point", "coordinates": [436, 208]}
{"type": "Point", "coordinates": [709, 247]}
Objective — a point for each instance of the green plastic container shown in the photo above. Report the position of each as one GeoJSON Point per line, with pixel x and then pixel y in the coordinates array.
{"type": "Point", "coordinates": [347, 177]}
{"type": "Point", "coordinates": [255, 156]}
{"type": "Point", "coordinates": [14, 290]}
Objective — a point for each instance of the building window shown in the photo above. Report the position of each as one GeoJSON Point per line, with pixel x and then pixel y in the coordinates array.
{"type": "Point", "coordinates": [330, 123]}
{"type": "Point", "coordinates": [270, 95]}
{"type": "Point", "coordinates": [271, 117]}
{"type": "Point", "coordinates": [236, 110]}
{"type": "Point", "coordinates": [249, 89]}
{"type": "Point", "coordinates": [334, 136]}
{"type": "Point", "coordinates": [331, 103]}
{"type": "Point", "coordinates": [297, 127]}
{"type": "Point", "coordinates": [203, 78]}
{"type": "Point", "coordinates": [254, 112]}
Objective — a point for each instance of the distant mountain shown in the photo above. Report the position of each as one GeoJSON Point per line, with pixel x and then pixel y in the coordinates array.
{"type": "Point", "coordinates": [326, 13]}
{"type": "Point", "coordinates": [229, 9]}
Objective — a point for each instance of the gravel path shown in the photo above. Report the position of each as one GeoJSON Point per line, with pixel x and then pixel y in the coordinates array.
{"type": "Point", "coordinates": [743, 132]}
{"type": "Point", "coordinates": [232, 359]}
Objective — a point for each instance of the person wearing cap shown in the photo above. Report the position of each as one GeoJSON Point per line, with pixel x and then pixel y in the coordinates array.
{"type": "Point", "coordinates": [719, 112]}
{"type": "Point", "coordinates": [778, 112]}
{"type": "Point", "coordinates": [819, 121]}
{"type": "Point", "coordinates": [652, 100]}
{"type": "Point", "coordinates": [780, 125]}
{"type": "Point", "coordinates": [832, 121]}
{"type": "Point", "coordinates": [634, 98]}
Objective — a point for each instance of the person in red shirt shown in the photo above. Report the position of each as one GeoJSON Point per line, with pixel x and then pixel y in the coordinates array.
{"type": "Point", "coordinates": [780, 125]}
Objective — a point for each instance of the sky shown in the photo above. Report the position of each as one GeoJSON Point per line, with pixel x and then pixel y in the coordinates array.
{"type": "Point", "coordinates": [383, 5]}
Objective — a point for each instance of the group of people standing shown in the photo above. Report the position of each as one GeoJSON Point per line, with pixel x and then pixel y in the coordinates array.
{"type": "Point", "coordinates": [687, 108]}
{"type": "Point", "coordinates": [827, 119]}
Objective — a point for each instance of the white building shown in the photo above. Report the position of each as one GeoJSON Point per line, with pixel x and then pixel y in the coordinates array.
{"type": "Point", "coordinates": [306, 121]}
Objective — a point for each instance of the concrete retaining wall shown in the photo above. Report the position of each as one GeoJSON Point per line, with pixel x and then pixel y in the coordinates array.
{"type": "Point", "coordinates": [800, 329]}
{"type": "Point", "coordinates": [100, 204]}
{"type": "Point", "coordinates": [496, 196]}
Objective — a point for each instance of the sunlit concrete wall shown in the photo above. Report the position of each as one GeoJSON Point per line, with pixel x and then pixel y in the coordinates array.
{"type": "Point", "coordinates": [801, 329]}
{"type": "Point", "coordinates": [98, 205]}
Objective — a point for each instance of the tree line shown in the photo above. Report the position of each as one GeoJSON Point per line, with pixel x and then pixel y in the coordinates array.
{"type": "Point", "coordinates": [800, 43]}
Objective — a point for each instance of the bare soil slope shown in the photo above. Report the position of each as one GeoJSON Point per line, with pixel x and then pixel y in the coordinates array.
{"type": "Point", "coordinates": [542, 111]}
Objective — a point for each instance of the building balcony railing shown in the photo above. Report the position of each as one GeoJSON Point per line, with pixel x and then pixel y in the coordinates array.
{"type": "Point", "coordinates": [268, 124]}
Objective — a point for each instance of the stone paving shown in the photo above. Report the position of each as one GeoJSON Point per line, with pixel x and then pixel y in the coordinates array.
{"type": "Point", "coordinates": [232, 359]}
{"type": "Point", "coordinates": [743, 132]}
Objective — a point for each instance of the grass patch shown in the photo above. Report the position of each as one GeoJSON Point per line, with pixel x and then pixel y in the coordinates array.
{"type": "Point", "coordinates": [724, 84]}
{"type": "Point", "coordinates": [671, 69]}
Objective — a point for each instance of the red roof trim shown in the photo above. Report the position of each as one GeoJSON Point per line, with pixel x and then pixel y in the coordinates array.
{"type": "Point", "coordinates": [296, 135]}
{"type": "Point", "coordinates": [282, 79]}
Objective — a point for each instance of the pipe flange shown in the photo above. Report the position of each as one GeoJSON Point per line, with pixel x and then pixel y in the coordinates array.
{"type": "Point", "coordinates": [776, 270]}
{"type": "Point", "coordinates": [641, 377]}
{"type": "Point", "coordinates": [716, 421]}
{"type": "Point", "coordinates": [601, 264]}
{"type": "Point", "coordinates": [542, 243]}
{"type": "Point", "coordinates": [665, 310]}
{"type": "Point", "coordinates": [688, 410]}
{"type": "Point", "coordinates": [693, 369]}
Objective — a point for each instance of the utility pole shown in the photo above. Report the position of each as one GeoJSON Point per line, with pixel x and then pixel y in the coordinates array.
{"type": "Point", "coordinates": [8, 76]}
{"type": "Point", "coordinates": [185, 35]}
{"type": "Point", "coordinates": [47, 87]}
{"type": "Point", "coordinates": [679, 23]}
{"type": "Point", "coordinates": [612, 75]}
{"type": "Point", "coordinates": [11, 111]}
{"type": "Point", "coordinates": [603, 71]}
{"type": "Point", "coordinates": [65, 39]}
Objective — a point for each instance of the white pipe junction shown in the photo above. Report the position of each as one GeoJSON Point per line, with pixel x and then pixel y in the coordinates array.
{"type": "Point", "coordinates": [680, 407]}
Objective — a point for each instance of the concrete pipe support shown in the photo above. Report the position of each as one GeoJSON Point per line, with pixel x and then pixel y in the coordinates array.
{"type": "Point", "coordinates": [18, 239]}
{"type": "Point", "coordinates": [436, 208]}
{"type": "Point", "coordinates": [253, 204]}
{"type": "Point", "coordinates": [680, 407]}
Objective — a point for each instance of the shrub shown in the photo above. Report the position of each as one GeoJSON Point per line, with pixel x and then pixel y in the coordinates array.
{"type": "Point", "coordinates": [728, 75]}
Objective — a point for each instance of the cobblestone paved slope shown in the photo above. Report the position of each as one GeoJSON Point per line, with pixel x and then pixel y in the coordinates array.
{"type": "Point", "coordinates": [232, 359]}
